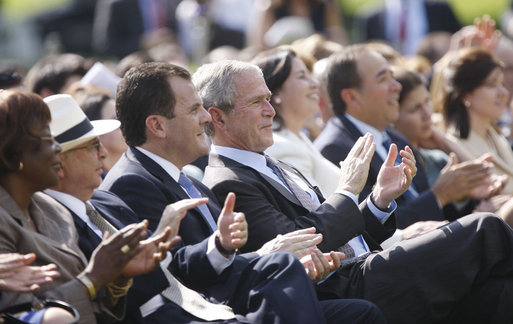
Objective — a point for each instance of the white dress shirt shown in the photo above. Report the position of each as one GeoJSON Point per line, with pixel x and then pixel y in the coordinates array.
{"type": "Point", "coordinates": [216, 259]}
{"type": "Point", "coordinates": [76, 205]}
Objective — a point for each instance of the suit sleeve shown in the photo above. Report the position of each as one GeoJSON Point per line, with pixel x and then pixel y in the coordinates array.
{"type": "Point", "coordinates": [338, 218]}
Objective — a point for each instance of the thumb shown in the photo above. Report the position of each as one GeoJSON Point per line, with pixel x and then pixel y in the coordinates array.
{"type": "Point", "coordinates": [229, 204]}
{"type": "Point", "coordinates": [453, 160]}
{"type": "Point", "coordinates": [392, 155]}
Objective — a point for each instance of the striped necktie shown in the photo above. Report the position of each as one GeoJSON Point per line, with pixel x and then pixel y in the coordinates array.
{"type": "Point", "coordinates": [303, 197]}
{"type": "Point", "coordinates": [100, 222]}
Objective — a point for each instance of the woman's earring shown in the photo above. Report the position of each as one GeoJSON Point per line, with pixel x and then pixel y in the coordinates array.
{"type": "Point", "coordinates": [466, 103]}
{"type": "Point", "coordinates": [20, 167]}
{"type": "Point", "coordinates": [277, 100]}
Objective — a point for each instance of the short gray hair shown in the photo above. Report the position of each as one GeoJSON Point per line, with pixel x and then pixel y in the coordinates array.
{"type": "Point", "coordinates": [215, 84]}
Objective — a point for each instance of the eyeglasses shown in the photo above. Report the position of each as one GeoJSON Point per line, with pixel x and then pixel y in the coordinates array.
{"type": "Point", "coordinates": [50, 139]}
{"type": "Point", "coordinates": [95, 145]}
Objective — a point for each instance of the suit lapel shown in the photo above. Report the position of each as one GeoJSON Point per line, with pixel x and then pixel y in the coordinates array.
{"type": "Point", "coordinates": [420, 180]}
{"type": "Point", "coordinates": [216, 161]}
{"type": "Point", "coordinates": [173, 188]}
{"type": "Point", "coordinates": [354, 133]}
{"type": "Point", "coordinates": [50, 230]}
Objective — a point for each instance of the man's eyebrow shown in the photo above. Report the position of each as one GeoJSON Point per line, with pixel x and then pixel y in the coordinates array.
{"type": "Point", "coordinates": [258, 97]}
{"type": "Point", "coordinates": [382, 72]}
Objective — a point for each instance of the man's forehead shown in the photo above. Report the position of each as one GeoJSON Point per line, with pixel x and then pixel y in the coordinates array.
{"type": "Point", "coordinates": [371, 64]}
{"type": "Point", "coordinates": [250, 85]}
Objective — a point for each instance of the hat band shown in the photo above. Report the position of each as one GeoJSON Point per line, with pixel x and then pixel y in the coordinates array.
{"type": "Point", "coordinates": [75, 132]}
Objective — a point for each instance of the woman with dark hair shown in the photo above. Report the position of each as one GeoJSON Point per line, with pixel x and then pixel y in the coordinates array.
{"type": "Point", "coordinates": [31, 221]}
{"type": "Point", "coordinates": [454, 181]}
{"type": "Point", "coordinates": [475, 98]}
{"type": "Point", "coordinates": [295, 97]}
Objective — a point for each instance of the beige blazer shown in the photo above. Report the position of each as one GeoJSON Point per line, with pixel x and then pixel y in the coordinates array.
{"type": "Point", "coordinates": [55, 242]}
{"type": "Point", "coordinates": [299, 152]}
{"type": "Point", "coordinates": [476, 146]}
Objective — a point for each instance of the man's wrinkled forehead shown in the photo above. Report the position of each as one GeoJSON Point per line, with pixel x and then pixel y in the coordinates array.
{"type": "Point", "coordinates": [250, 87]}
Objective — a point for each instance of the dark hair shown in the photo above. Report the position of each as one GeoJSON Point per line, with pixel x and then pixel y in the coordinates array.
{"type": "Point", "coordinates": [342, 73]}
{"type": "Point", "coordinates": [10, 77]}
{"type": "Point", "coordinates": [466, 71]}
{"type": "Point", "coordinates": [53, 71]}
{"type": "Point", "coordinates": [132, 60]}
{"type": "Point", "coordinates": [19, 112]}
{"type": "Point", "coordinates": [408, 79]}
{"type": "Point", "coordinates": [276, 65]}
{"type": "Point", "coordinates": [145, 90]}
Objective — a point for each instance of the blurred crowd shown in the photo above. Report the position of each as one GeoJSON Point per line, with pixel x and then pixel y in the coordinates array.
{"type": "Point", "coordinates": [256, 161]}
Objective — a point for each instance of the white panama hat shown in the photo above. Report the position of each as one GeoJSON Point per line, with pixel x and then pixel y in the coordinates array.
{"type": "Point", "coordinates": [70, 125]}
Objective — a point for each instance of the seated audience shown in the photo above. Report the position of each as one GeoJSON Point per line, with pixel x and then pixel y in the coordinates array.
{"type": "Point", "coordinates": [33, 222]}
{"type": "Point", "coordinates": [416, 280]}
{"type": "Point", "coordinates": [162, 120]}
{"type": "Point", "coordinates": [365, 97]}
{"type": "Point", "coordinates": [471, 179]}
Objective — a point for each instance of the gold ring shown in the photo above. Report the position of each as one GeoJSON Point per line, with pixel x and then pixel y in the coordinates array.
{"type": "Point", "coordinates": [125, 249]}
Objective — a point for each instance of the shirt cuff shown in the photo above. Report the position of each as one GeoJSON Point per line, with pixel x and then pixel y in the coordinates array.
{"type": "Point", "coordinates": [349, 195]}
{"type": "Point", "coordinates": [398, 236]}
{"type": "Point", "coordinates": [380, 214]}
{"type": "Point", "coordinates": [216, 259]}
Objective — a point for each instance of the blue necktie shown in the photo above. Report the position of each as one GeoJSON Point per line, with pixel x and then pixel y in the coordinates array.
{"type": "Point", "coordinates": [412, 191]}
{"type": "Point", "coordinates": [193, 192]}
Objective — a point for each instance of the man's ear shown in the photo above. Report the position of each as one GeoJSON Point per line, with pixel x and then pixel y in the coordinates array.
{"type": "Point", "coordinates": [217, 116]}
{"type": "Point", "coordinates": [350, 96]}
{"type": "Point", "coordinates": [154, 126]}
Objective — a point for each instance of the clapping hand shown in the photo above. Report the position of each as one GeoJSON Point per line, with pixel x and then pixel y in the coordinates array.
{"type": "Point", "coordinates": [318, 265]}
{"type": "Point", "coordinates": [354, 170]}
{"type": "Point", "coordinates": [394, 180]}
{"type": "Point", "coordinates": [16, 274]}
{"type": "Point", "coordinates": [300, 243]}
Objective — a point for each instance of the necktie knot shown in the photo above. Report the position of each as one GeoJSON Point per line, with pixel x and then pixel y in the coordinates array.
{"type": "Point", "coordinates": [97, 219]}
{"type": "Point", "coordinates": [193, 192]}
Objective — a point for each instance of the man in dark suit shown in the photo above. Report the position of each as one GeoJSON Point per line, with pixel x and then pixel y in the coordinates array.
{"type": "Point", "coordinates": [442, 275]}
{"type": "Point", "coordinates": [264, 276]}
{"type": "Point", "coordinates": [365, 99]}
{"type": "Point", "coordinates": [162, 120]}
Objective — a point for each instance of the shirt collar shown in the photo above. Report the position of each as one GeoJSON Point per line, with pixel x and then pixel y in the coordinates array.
{"type": "Point", "coordinates": [74, 204]}
{"type": "Point", "coordinates": [251, 159]}
{"type": "Point", "coordinates": [168, 166]}
{"type": "Point", "coordinates": [378, 136]}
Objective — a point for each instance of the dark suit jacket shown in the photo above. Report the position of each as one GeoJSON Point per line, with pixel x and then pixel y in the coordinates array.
{"type": "Point", "coordinates": [271, 210]}
{"type": "Point", "coordinates": [335, 142]}
{"type": "Point", "coordinates": [439, 18]}
{"type": "Point", "coordinates": [115, 211]}
{"type": "Point", "coordinates": [148, 189]}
